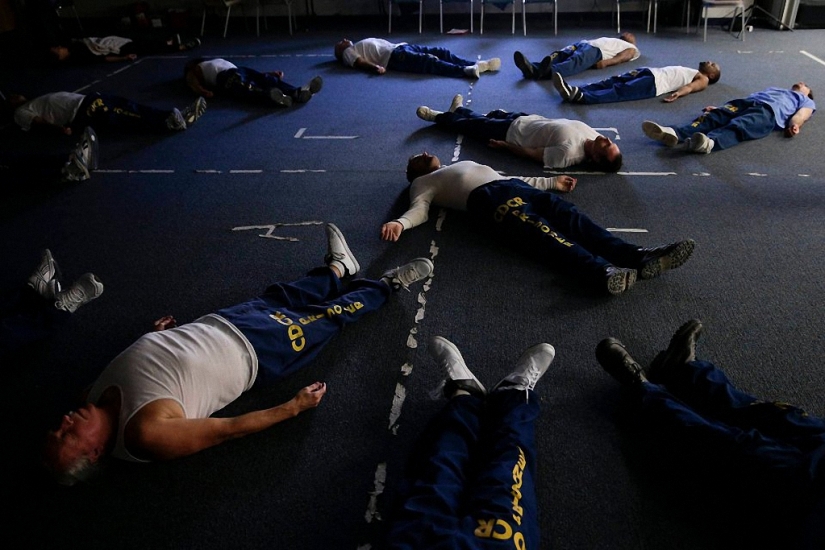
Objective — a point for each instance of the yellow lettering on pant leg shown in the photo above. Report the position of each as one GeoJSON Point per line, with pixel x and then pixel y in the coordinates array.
{"type": "Point", "coordinates": [506, 533]}
{"type": "Point", "coordinates": [515, 201]}
{"type": "Point", "coordinates": [281, 318]}
{"type": "Point", "coordinates": [501, 211]}
{"type": "Point", "coordinates": [484, 529]}
{"type": "Point", "coordinates": [296, 336]}
{"type": "Point", "coordinates": [519, 542]}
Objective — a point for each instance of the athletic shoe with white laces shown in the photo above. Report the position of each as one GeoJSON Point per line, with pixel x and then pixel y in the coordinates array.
{"type": "Point", "coordinates": [46, 278]}
{"type": "Point", "coordinates": [492, 64]}
{"type": "Point", "coordinates": [74, 169]}
{"type": "Point", "coordinates": [407, 274]}
{"type": "Point", "coordinates": [660, 133]}
{"type": "Point", "coordinates": [85, 289]}
{"type": "Point", "coordinates": [459, 377]}
{"type": "Point", "coordinates": [193, 112]}
{"type": "Point", "coordinates": [338, 252]}
{"type": "Point", "coordinates": [530, 367]}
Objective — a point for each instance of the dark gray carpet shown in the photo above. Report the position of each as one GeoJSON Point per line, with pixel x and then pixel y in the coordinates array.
{"type": "Point", "coordinates": [163, 243]}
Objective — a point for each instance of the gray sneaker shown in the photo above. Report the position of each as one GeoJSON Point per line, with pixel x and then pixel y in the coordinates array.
{"type": "Point", "coordinates": [700, 143]}
{"type": "Point", "coordinates": [660, 133]}
{"type": "Point", "coordinates": [46, 278]}
{"type": "Point", "coordinates": [531, 366]}
{"type": "Point", "coordinates": [74, 169]}
{"type": "Point", "coordinates": [425, 113]}
{"type": "Point", "coordinates": [472, 71]}
{"type": "Point", "coordinates": [175, 121]}
{"type": "Point", "coordinates": [407, 274]}
{"type": "Point", "coordinates": [338, 252]}
{"type": "Point", "coordinates": [87, 148]}
{"type": "Point", "coordinates": [459, 377]}
{"type": "Point", "coordinates": [458, 101]}
{"type": "Point", "coordinates": [85, 289]}
{"type": "Point", "coordinates": [193, 112]}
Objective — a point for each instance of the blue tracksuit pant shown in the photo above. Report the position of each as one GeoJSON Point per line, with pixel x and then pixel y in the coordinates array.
{"type": "Point", "coordinates": [630, 86]}
{"type": "Point", "coordinates": [247, 84]}
{"type": "Point", "coordinates": [550, 229]}
{"type": "Point", "coordinates": [736, 121]}
{"type": "Point", "coordinates": [571, 60]}
{"type": "Point", "coordinates": [412, 58]}
{"type": "Point", "coordinates": [774, 447]}
{"type": "Point", "coordinates": [493, 125]}
{"type": "Point", "coordinates": [290, 323]}
{"type": "Point", "coordinates": [471, 483]}
{"type": "Point", "coordinates": [109, 111]}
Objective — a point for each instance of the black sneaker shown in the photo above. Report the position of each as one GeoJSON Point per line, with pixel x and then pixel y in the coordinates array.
{"type": "Point", "coordinates": [656, 261]}
{"type": "Point", "coordinates": [682, 347]}
{"type": "Point", "coordinates": [545, 67]}
{"type": "Point", "coordinates": [615, 359]}
{"type": "Point", "coordinates": [524, 65]}
{"type": "Point", "coordinates": [562, 87]}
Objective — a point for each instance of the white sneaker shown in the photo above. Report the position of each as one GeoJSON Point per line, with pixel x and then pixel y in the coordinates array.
{"type": "Point", "coordinates": [85, 289]}
{"type": "Point", "coordinates": [74, 169]}
{"type": "Point", "coordinates": [425, 113]}
{"type": "Point", "coordinates": [493, 64]}
{"type": "Point", "coordinates": [87, 148]}
{"type": "Point", "coordinates": [412, 272]}
{"type": "Point", "coordinates": [175, 121]}
{"type": "Point", "coordinates": [193, 112]}
{"type": "Point", "coordinates": [700, 143]}
{"type": "Point", "coordinates": [338, 252]}
{"type": "Point", "coordinates": [459, 377]}
{"type": "Point", "coordinates": [46, 278]}
{"type": "Point", "coordinates": [562, 87]}
{"type": "Point", "coordinates": [663, 134]}
{"type": "Point", "coordinates": [458, 101]}
{"type": "Point", "coordinates": [531, 366]}
{"type": "Point", "coordinates": [473, 71]}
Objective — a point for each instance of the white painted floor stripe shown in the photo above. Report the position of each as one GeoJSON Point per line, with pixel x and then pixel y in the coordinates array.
{"type": "Point", "coordinates": [647, 173]}
{"type": "Point", "coordinates": [378, 488]}
{"type": "Point", "coordinates": [626, 230]}
{"type": "Point", "coordinates": [302, 171]}
{"type": "Point", "coordinates": [246, 171]}
{"type": "Point", "coordinates": [300, 133]}
{"type": "Point", "coordinates": [815, 58]}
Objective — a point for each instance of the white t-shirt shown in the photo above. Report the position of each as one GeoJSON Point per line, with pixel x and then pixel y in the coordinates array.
{"type": "Point", "coordinates": [203, 366]}
{"type": "Point", "coordinates": [670, 79]}
{"type": "Point", "coordinates": [450, 187]}
{"type": "Point", "coordinates": [562, 139]}
{"type": "Point", "coordinates": [211, 67]}
{"type": "Point", "coordinates": [373, 50]}
{"type": "Point", "coordinates": [611, 47]}
{"type": "Point", "coordinates": [58, 108]}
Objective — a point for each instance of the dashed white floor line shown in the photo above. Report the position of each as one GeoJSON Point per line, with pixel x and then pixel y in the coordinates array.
{"type": "Point", "coordinates": [246, 171]}
{"type": "Point", "coordinates": [272, 227]}
{"type": "Point", "coordinates": [812, 56]}
{"type": "Point", "coordinates": [757, 174]}
{"type": "Point", "coordinates": [626, 230]}
{"type": "Point", "coordinates": [301, 134]}
{"type": "Point", "coordinates": [379, 482]}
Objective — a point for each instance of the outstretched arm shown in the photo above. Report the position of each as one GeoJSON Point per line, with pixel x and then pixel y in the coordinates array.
{"type": "Point", "coordinates": [166, 434]}
{"type": "Point", "coordinates": [366, 66]}
{"type": "Point", "coordinates": [797, 120]}
{"type": "Point", "coordinates": [194, 79]}
{"type": "Point", "coordinates": [621, 57]}
{"type": "Point", "coordinates": [699, 83]}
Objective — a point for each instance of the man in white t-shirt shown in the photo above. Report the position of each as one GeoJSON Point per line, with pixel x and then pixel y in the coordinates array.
{"type": "Point", "coordinates": [598, 53]}
{"type": "Point", "coordinates": [557, 143]}
{"type": "Point", "coordinates": [642, 83]}
{"type": "Point", "coordinates": [376, 56]}
{"type": "Point", "coordinates": [154, 401]}
{"type": "Point", "coordinates": [529, 216]}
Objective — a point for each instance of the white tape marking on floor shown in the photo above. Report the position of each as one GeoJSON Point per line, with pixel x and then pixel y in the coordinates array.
{"type": "Point", "coordinates": [272, 227]}
{"type": "Point", "coordinates": [300, 133]}
{"type": "Point", "coordinates": [646, 173]}
{"type": "Point", "coordinates": [757, 174]}
{"type": "Point", "coordinates": [421, 299]}
{"type": "Point", "coordinates": [457, 149]}
{"type": "Point", "coordinates": [101, 171]}
{"type": "Point", "coordinates": [208, 171]}
{"type": "Point", "coordinates": [815, 58]}
{"type": "Point", "coordinates": [804, 175]}
{"type": "Point", "coordinates": [330, 137]}
{"type": "Point", "coordinates": [412, 343]}
{"type": "Point", "coordinates": [246, 171]}
{"type": "Point", "coordinates": [406, 369]}
{"type": "Point", "coordinates": [378, 488]}
{"type": "Point", "coordinates": [151, 171]}
{"type": "Point", "coordinates": [701, 174]}
{"type": "Point", "coordinates": [302, 171]}
{"type": "Point", "coordinates": [397, 404]}
{"type": "Point", "coordinates": [626, 230]}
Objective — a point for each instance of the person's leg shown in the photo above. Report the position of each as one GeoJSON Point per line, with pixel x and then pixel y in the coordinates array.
{"type": "Point", "coordinates": [475, 125]}
{"type": "Point", "coordinates": [406, 59]}
{"type": "Point", "coordinates": [630, 86]}
{"type": "Point", "coordinates": [546, 227]}
{"type": "Point", "coordinates": [713, 119]}
{"type": "Point", "coordinates": [502, 505]}
{"type": "Point", "coordinates": [247, 84]}
{"type": "Point", "coordinates": [572, 60]}
{"type": "Point", "coordinates": [752, 123]}
{"type": "Point", "coordinates": [435, 479]}
{"type": "Point", "coordinates": [290, 323]}
{"type": "Point", "coordinates": [441, 53]}
{"type": "Point", "coordinates": [104, 110]}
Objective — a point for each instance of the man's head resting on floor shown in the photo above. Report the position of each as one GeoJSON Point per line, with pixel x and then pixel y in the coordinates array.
{"type": "Point", "coordinates": [340, 47]}
{"type": "Point", "coordinates": [803, 89]}
{"type": "Point", "coordinates": [73, 451]}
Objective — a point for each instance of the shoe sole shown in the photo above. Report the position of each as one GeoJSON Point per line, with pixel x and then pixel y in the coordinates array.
{"type": "Point", "coordinates": [526, 68]}
{"type": "Point", "coordinates": [654, 131]}
{"type": "Point", "coordinates": [674, 259]}
{"type": "Point", "coordinates": [467, 370]}
{"type": "Point", "coordinates": [679, 341]}
{"type": "Point", "coordinates": [621, 281]}
{"type": "Point", "coordinates": [425, 114]}
{"type": "Point", "coordinates": [337, 232]}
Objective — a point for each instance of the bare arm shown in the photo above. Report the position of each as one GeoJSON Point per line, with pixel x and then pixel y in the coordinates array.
{"type": "Point", "coordinates": [160, 432]}
{"type": "Point", "coordinates": [699, 83]}
{"type": "Point", "coordinates": [535, 153]}
{"type": "Point", "coordinates": [797, 120]}
{"type": "Point", "coordinates": [562, 184]}
{"type": "Point", "coordinates": [40, 122]}
{"type": "Point", "coordinates": [194, 79]}
{"type": "Point", "coordinates": [364, 65]}
{"type": "Point", "coordinates": [621, 57]}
